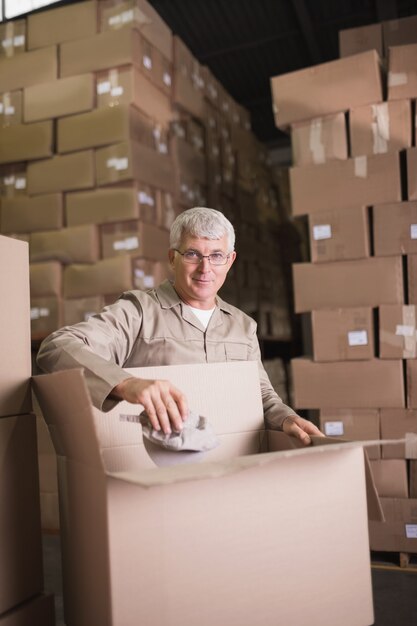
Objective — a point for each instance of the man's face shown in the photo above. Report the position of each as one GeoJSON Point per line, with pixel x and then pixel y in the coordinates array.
{"type": "Point", "coordinates": [198, 284]}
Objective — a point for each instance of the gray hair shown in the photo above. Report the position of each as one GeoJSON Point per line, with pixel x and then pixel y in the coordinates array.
{"type": "Point", "coordinates": [202, 222]}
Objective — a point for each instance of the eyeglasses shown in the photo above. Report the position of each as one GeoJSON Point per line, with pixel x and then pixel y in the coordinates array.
{"type": "Point", "coordinates": [195, 258]}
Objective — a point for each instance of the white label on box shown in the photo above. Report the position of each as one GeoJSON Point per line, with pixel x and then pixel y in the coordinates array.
{"type": "Point", "coordinates": [334, 429]}
{"type": "Point", "coordinates": [115, 20]}
{"type": "Point", "coordinates": [361, 166]}
{"type": "Point", "coordinates": [1, 108]}
{"type": "Point", "coordinates": [411, 531]}
{"type": "Point", "coordinates": [103, 87]}
{"type": "Point", "coordinates": [396, 79]}
{"type": "Point", "coordinates": [128, 16]}
{"type": "Point", "coordinates": [149, 282]}
{"type": "Point", "coordinates": [147, 62]}
{"type": "Point", "coordinates": [10, 110]}
{"type": "Point", "coordinates": [118, 164]}
{"type": "Point", "coordinates": [413, 231]}
{"type": "Point", "coordinates": [145, 198]}
{"type": "Point", "coordinates": [7, 43]}
{"type": "Point", "coordinates": [322, 231]}
{"type": "Point", "coordinates": [167, 79]}
{"type": "Point", "coordinates": [19, 40]}
{"type": "Point", "coordinates": [139, 273]}
{"type": "Point", "coordinates": [130, 243]}
{"type": "Point", "coordinates": [38, 312]}
{"type": "Point", "coordinates": [20, 183]}
{"type": "Point", "coordinates": [117, 91]}
{"type": "Point", "coordinates": [163, 148]}
{"type": "Point", "coordinates": [404, 331]}
{"type": "Point", "coordinates": [358, 338]}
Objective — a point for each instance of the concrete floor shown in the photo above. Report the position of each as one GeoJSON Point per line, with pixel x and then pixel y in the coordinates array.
{"type": "Point", "coordinates": [395, 588]}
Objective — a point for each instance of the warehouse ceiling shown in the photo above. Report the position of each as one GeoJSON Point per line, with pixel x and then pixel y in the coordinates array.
{"type": "Point", "coordinates": [244, 42]}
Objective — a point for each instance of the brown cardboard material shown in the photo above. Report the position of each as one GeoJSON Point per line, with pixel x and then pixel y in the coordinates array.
{"type": "Point", "coordinates": [380, 128]}
{"type": "Point", "coordinates": [114, 14]}
{"type": "Point", "coordinates": [30, 68]}
{"type": "Point", "coordinates": [399, 32]}
{"type": "Point", "coordinates": [12, 180]}
{"type": "Point", "coordinates": [20, 530]}
{"type": "Point", "coordinates": [45, 279]}
{"type": "Point", "coordinates": [343, 334]}
{"type": "Point", "coordinates": [374, 383]}
{"type": "Point", "coordinates": [355, 425]}
{"type": "Point", "coordinates": [76, 244]}
{"type": "Point", "coordinates": [127, 85]}
{"type": "Point", "coordinates": [45, 316]}
{"type": "Point", "coordinates": [134, 237]}
{"type": "Point", "coordinates": [26, 214]}
{"type": "Point", "coordinates": [12, 38]}
{"type": "Point", "coordinates": [11, 106]}
{"type": "Point", "coordinates": [61, 173]}
{"type": "Point", "coordinates": [402, 82]}
{"type": "Point", "coordinates": [412, 278]}
{"type": "Point", "coordinates": [395, 228]}
{"type": "Point", "coordinates": [106, 277]}
{"type": "Point", "coordinates": [149, 274]}
{"type": "Point", "coordinates": [398, 532]}
{"type": "Point", "coordinates": [39, 610]}
{"type": "Point", "coordinates": [361, 181]}
{"type": "Point", "coordinates": [15, 364]}
{"type": "Point", "coordinates": [101, 206]}
{"type": "Point", "coordinates": [133, 161]}
{"type": "Point", "coordinates": [331, 87]}
{"type": "Point", "coordinates": [390, 477]}
{"type": "Point", "coordinates": [339, 234]}
{"type": "Point", "coordinates": [58, 98]}
{"type": "Point", "coordinates": [361, 39]}
{"type": "Point", "coordinates": [367, 282]}
{"type": "Point", "coordinates": [25, 142]}
{"type": "Point", "coordinates": [61, 24]}
{"type": "Point", "coordinates": [188, 86]}
{"type": "Point", "coordinates": [189, 161]}
{"type": "Point", "coordinates": [80, 309]}
{"type": "Point", "coordinates": [411, 369]}
{"type": "Point", "coordinates": [397, 331]}
{"type": "Point", "coordinates": [395, 423]}
{"type": "Point", "coordinates": [411, 173]}
{"type": "Point", "coordinates": [110, 501]}
{"type": "Point", "coordinates": [319, 140]}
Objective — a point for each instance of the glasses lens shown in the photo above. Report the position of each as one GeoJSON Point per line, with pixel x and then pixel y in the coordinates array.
{"type": "Point", "coordinates": [217, 258]}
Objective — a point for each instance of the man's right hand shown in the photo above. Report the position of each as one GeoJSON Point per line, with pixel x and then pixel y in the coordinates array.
{"type": "Point", "coordinates": [165, 405]}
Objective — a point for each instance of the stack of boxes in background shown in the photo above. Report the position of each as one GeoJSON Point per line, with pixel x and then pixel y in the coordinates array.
{"type": "Point", "coordinates": [353, 155]}
{"type": "Point", "coordinates": [21, 571]}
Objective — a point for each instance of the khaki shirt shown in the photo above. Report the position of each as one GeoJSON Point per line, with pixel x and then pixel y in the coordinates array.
{"type": "Point", "coordinates": [155, 328]}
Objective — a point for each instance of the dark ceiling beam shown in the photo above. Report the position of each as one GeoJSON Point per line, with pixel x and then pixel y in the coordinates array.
{"type": "Point", "coordinates": [386, 10]}
{"type": "Point", "coordinates": [203, 57]}
{"type": "Point", "coordinates": [305, 23]}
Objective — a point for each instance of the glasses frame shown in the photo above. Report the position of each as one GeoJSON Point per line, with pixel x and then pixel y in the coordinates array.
{"type": "Point", "coordinates": [201, 257]}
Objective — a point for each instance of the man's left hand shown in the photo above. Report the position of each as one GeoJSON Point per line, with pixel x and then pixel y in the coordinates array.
{"type": "Point", "coordinates": [301, 428]}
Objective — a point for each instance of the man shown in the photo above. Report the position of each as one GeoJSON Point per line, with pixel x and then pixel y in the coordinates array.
{"type": "Point", "coordinates": [178, 323]}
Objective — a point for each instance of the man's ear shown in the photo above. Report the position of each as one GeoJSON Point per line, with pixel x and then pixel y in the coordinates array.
{"type": "Point", "coordinates": [232, 258]}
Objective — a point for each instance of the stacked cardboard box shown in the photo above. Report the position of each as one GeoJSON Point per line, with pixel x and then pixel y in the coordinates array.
{"type": "Point", "coordinates": [21, 571]}
{"type": "Point", "coordinates": [380, 37]}
{"type": "Point", "coordinates": [358, 289]}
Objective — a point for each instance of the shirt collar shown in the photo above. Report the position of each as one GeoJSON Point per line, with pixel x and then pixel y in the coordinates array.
{"type": "Point", "coordinates": [168, 298]}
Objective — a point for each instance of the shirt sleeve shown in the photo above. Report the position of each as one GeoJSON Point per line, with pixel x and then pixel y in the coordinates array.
{"type": "Point", "coordinates": [275, 411]}
{"type": "Point", "coordinates": [100, 346]}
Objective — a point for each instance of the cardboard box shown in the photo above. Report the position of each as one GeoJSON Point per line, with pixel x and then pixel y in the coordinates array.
{"type": "Point", "coordinates": [61, 24]}
{"type": "Point", "coordinates": [411, 173]}
{"type": "Point", "coordinates": [134, 237]}
{"type": "Point", "coordinates": [331, 87]}
{"type": "Point", "coordinates": [348, 384]}
{"type": "Point", "coordinates": [380, 128]}
{"type": "Point", "coordinates": [149, 274]}
{"type": "Point", "coordinates": [343, 334]}
{"type": "Point", "coordinates": [115, 14]}
{"type": "Point", "coordinates": [15, 364]}
{"type": "Point", "coordinates": [402, 80]}
{"type": "Point", "coordinates": [399, 32]}
{"type": "Point", "coordinates": [390, 477]}
{"type": "Point", "coordinates": [188, 86]}
{"type": "Point", "coordinates": [25, 142]}
{"type": "Point", "coordinates": [80, 309]}
{"type": "Point", "coordinates": [368, 282]}
{"type": "Point", "coordinates": [30, 68]}
{"type": "Point", "coordinates": [39, 610]}
{"type": "Point", "coordinates": [132, 161]}
{"type": "Point", "coordinates": [12, 38]}
{"type": "Point", "coordinates": [12, 180]}
{"type": "Point", "coordinates": [45, 316]}
{"type": "Point", "coordinates": [26, 214]}
{"type": "Point", "coordinates": [361, 181]}
{"type": "Point", "coordinates": [58, 98]}
{"type": "Point", "coordinates": [61, 173]}
{"type": "Point", "coordinates": [397, 331]}
{"type": "Point", "coordinates": [355, 425]}
{"type": "Point", "coordinates": [395, 228]}
{"type": "Point", "coordinates": [127, 85]}
{"type": "Point", "coordinates": [319, 140]}
{"type": "Point", "coordinates": [110, 489]}
{"type": "Point", "coordinates": [188, 161]}
{"type": "Point", "coordinates": [412, 278]}
{"type": "Point", "coordinates": [75, 244]}
{"type": "Point", "coordinates": [395, 424]}
{"type": "Point", "coordinates": [361, 39]}
{"type": "Point", "coordinates": [339, 234]}
{"type": "Point", "coordinates": [106, 277]}
{"type": "Point", "coordinates": [45, 279]}
{"type": "Point", "coordinates": [11, 106]}
{"type": "Point", "coordinates": [20, 529]}
{"type": "Point", "coordinates": [102, 206]}
{"type": "Point", "coordinates": [411, 372]}
{"type": "Point", "coordinates": [397, 533]}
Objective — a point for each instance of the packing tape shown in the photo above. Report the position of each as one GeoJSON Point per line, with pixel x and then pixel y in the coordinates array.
{"type": "Point", "coordinates": [396, 79]}
{"type": "Point", "coordinates": [361, 166]}
{"type": "Point", "coordinates": [409, 321]}
{"type": "Point", "coordinates": [380, 127]}
{"type": "Point", "coordinates": [8, 40]}
{"type": "Point", "coordinates": [315, 141]}
{"type": "Point", "coordinates": [410, 445]}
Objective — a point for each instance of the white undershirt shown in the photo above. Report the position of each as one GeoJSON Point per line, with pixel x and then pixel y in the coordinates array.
{"type": "Point", "coordinates": [203, 315]}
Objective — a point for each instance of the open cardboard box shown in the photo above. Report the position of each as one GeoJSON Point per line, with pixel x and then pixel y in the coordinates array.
{"type": "Point", "coordinates": [231, 539]}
